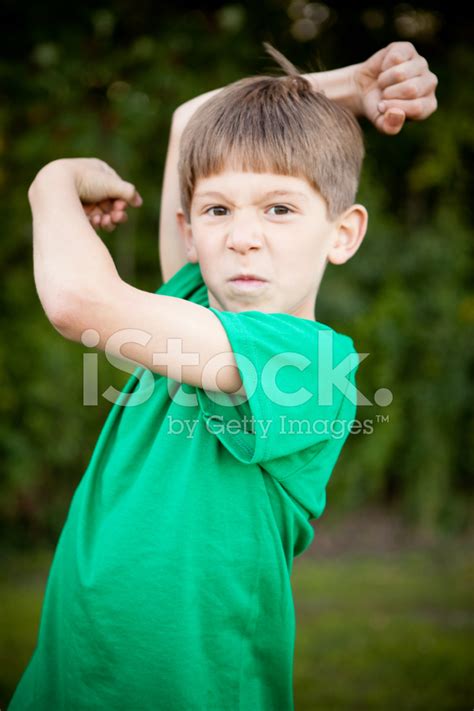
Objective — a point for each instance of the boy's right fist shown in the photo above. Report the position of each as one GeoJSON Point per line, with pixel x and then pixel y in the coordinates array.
{"type": "Point", "coordinates": [102, 192]}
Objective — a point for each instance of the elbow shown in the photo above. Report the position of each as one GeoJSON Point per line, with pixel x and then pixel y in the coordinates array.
{"type": "Point", "coordinates": [179, 119]}
{"type": "Point", "coordinates": [85, 309]}
{"type": "Point", "coordinates": [65, 317]}
{"type": "Point", "coordinates": [175, 117]}
{"type": "Point", "coordinates": [59, 304]}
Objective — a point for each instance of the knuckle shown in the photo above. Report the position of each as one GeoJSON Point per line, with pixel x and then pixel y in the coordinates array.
{"type": "Point", "coordinates": [417, 107]}
{"type": "Point", "coordinates": [399, 74]}
{"type": "Point", "coordinates": [410, 91]}
{"type": "Point", "coordinates": [402, 44]}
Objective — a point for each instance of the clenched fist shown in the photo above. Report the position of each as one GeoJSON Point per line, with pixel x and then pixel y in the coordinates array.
{"type": "Point", "coordinates": [395, 83]}
{"type": "Point", "coordinates": [104, 195]}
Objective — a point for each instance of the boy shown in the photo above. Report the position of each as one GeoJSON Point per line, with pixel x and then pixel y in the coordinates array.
{"type": "Point", "coordinates": [170, 587]}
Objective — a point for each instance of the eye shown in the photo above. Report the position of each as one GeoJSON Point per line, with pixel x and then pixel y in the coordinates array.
{"type": "Point", "coordinates": [281, 207]}
{"type": "Point", "coordinates": [215, 207]}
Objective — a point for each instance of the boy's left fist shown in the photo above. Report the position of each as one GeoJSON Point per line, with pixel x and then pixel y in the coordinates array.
{"type": "Point", "coordinates": [395, 83]}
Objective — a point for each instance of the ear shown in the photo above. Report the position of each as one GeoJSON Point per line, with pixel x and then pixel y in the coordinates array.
{"type": "Point", "coordinates": [350, 230]}
{"type": "Point", "coordinates": [187, 235]}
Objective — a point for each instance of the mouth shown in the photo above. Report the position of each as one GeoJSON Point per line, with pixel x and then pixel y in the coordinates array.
{"type": "Point", "coordinates": [247, 281]}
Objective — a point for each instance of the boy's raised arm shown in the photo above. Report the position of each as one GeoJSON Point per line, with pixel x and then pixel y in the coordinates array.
{"type": "Point", "coordinates": [395, 75]}
{"type": "Point", "coordinates": [171, 248]}
{"type": "Point", "coordinates": [86, 300]}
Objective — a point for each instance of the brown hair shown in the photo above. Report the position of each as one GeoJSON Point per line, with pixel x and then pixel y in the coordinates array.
{"type": "Point", "coordinates": [275, 124]}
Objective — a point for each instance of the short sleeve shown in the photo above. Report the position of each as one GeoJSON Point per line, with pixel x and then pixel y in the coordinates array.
{"type": "Point", "coordinates": [299, 377]}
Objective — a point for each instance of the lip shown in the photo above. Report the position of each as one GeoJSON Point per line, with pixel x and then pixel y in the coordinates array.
{"type": "Point", "coordinates": [248, 284]}
{"type": "Point", "coordinates": [247, 277]}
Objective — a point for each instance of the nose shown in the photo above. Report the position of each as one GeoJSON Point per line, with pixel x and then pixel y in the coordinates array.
{"type": "Point", "coordinates": [244, 231]}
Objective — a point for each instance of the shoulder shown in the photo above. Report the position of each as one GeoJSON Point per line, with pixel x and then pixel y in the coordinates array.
{"type": "Point", "coordinates": [280, 332]}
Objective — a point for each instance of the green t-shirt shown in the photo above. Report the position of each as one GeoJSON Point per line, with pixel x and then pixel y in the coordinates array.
{"type": "Point", "coordinates": [170, 585]}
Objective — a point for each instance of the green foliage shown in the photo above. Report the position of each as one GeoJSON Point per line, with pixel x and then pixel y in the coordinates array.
{"type": "Point", "coordinates": [106, 84]}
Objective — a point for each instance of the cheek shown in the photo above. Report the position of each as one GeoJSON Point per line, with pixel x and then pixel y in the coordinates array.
{"type": "Point", "coordinates": [314, 248]}
{"type": "Point", "coordinates": [304, 259]}
{"type": "Point", "coordinates": [202, 242]}
{"type": "Point", "coordinates": [208, 254]}
{"type": "Point", "coordinates": [209, 259]}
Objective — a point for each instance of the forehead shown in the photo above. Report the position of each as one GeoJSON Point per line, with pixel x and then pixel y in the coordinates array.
{"type": "Point", "coordinates": [247, 184]}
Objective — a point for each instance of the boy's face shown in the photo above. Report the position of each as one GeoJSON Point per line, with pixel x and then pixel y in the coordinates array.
{"type": "Point", "coordinates": [271, 226]}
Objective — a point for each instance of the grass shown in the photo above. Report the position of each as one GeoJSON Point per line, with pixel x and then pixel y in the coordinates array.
{"type": "Point", "coordinates": [385, 633]}
{"type": "Point", "coordinates": [374, 631]}
{"type": "Point", "coordinates": [22, 582]}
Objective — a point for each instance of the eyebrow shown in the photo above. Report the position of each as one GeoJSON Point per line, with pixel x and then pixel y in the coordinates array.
{"type": "Point", "coordinates": [271, 193]}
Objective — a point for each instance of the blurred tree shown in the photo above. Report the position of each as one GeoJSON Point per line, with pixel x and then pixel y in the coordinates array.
{"type": "Point", "coordinates": [102, 78]}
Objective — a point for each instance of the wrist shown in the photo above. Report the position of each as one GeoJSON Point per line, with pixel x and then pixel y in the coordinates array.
{"type": "Point", "coordinates": [54, 174]}
{"type": "Point", "coordinates": [340, 85]}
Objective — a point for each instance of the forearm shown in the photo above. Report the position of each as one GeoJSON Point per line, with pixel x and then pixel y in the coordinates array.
{"type": "Point", "coordinates": [337, 84]}
{"type": "Point", "coordinates": [69, 258]}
